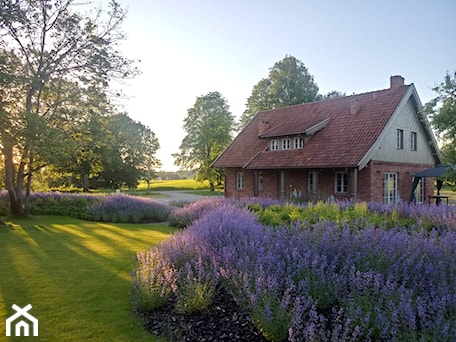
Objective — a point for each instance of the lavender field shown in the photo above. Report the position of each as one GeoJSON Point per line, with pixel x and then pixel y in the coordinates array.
{"type": "Point", "coordinates": [102, 208]}
{"type": "Point", "coordinates": [316, 272]}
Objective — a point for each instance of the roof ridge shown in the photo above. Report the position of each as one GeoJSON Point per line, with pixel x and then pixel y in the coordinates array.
{"type": "Point", "coordinates": [338, 98]}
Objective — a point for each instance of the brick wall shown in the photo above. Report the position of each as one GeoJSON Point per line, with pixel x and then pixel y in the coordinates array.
{"type": "Point", "coordinates": [404, 171]}
{"type": "Point", "coordinates": [370, 182]}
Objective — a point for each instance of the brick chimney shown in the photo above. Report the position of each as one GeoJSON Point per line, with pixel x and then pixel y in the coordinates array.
{"type": "Point", "coordinates": [354, 106]}
{"type": "Point", "coordinates": [396, 81]}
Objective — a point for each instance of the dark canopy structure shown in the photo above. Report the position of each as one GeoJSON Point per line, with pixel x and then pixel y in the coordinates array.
{"type": "Point", "coordinates": [437, 171]}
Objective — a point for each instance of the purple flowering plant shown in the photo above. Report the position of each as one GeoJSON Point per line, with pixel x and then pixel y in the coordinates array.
{"type": "Point", "coordinates": [344, 277]}
{"type": "Point", "coordinates": [110, 208]}
{"type": "Point", "coordinates": [125, 208]}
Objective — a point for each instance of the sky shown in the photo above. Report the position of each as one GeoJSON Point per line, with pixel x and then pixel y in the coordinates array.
{"type": "Point", "coordinates": [190, 48]}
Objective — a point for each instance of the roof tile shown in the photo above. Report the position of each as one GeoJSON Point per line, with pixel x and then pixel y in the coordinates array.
{"type": "Point", "coordinates": [355, 123]}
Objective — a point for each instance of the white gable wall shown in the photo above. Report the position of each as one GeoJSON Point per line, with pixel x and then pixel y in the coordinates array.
{"type": "Point", "coordinates": [404, 118]}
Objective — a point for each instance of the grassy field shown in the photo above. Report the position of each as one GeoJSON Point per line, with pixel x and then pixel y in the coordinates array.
{"type": "Point", "coordinates": [448, 190]}
{"type": "Point", "coordinates": [76, 275]}
{"type": "Point", "coordinates": [190, 185]}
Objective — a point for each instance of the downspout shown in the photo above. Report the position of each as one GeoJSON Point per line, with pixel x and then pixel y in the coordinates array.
{"type": "Point", "coordinates": [282, 184]}
{"type": "Point", "coordinates": [255, 184]}
{"type": "Point", "coordinates": [355, 184]}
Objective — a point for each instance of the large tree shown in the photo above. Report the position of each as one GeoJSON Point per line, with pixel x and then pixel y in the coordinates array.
{"type": "Point", "coordinates": [55, 49]}
{"type": "Point", "coordinates": [124, 152]}
{"type": "Point", "coordinates": [289, 83]}
{"type": "Point", "coordinates": [442, 114]}
{"type": "Point", "coordinates": [149, 147]}
{"type": "Point", "coordinates": [209, 125]}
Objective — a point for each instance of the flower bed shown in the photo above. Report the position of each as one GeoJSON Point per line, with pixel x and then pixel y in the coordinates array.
{"type": "Point", "coordinates": [330, 278]}
{"type": "Point", "coordinates": [110, 208]}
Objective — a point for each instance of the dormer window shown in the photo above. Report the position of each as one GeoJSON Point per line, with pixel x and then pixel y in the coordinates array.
{"type": "Point", "coordinates": [274, 145]}
{"type": "Point", "coordinates": [298, 142]}
{"type": "Point", "coordinates": [286, 143]}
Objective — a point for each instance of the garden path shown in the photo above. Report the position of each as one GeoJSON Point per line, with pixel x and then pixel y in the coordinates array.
{"type": "Point", "coordinates": [179, 196]}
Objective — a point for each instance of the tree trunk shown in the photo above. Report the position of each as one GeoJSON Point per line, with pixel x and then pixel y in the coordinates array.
{"type": "Point", "coordinates": [28, 186]}
{"type": "Point", "coordinates": [85, 182]}
{"type": "Point", "coordinates": [16, 205]}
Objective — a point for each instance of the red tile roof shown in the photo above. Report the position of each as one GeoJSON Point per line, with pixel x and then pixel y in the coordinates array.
{"type": "Point", "coordinates": [355, 123]}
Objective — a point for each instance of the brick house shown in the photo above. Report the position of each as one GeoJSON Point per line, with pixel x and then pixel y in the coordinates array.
{"type": "Point", "coordinates": [365, 146]}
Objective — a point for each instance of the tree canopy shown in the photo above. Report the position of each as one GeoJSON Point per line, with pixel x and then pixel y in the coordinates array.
{"type": "Point", "coordinates": [442, 114]}
{"type": "Point", "coordinates": [209, 125]}
{"type": "Point", "coordinates": [54, 52]}
{"type": "Point", "coordinates": [289, 83]}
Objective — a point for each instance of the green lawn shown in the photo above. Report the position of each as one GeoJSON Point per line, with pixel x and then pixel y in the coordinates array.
{"type": "Point", "coordinates": [158, 188]}
{"type": "Point", "coordinates": [76, 275]}
{"type": "Point", "coordinates": [448, 190]}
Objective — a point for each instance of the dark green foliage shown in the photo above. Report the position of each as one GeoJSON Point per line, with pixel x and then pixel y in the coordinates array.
{"type": "Point", "coordinates": [289, 83]}
{"type": "Point", "coordinates": [209, 125]}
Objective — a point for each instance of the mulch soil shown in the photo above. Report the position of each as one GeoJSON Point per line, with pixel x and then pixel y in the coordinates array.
{"type": "Point", "coordinates": [224, 320]}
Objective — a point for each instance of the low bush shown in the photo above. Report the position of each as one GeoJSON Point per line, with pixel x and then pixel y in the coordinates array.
{"type": "Point", "coordinates": [4, 203]}
{"type": "Point", "coordinates": [125, 208]}
{"type": "Point", "coordinates": [184, 216]}
{"type": "Point", "coordinates": [335, 275]}
{"type": "Point", "coordinates": [63, 204]}
{"type": "Point", "coordinates": [178, 266]}
{"type": "Point", "coordinates": [111, 208]}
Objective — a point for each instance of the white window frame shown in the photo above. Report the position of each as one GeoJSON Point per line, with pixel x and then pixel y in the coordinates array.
{"type": "Point", "coordinates": [419, 191]}
{"type": "Point", "coordinates": [286, 144]}
{"type": "Point", "coordinates": [390, 188]}
{"type": "Point", "coordinates": [274, 145]}
{"type": "Point", "coordinates": [413, 141]}
{"type": "Point", "coordinates": [341, 182]}
{"type": "Point", "coordinates": [298, 142]}
{"type": "Point", "coordinates": [400, 139]}
{"type": "Point", "coordinates": [240, 180]}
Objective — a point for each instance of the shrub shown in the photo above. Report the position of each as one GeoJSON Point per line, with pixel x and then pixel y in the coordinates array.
{"type": "Point", "coordinates": [182, 217]}
{"type": "Point", "coordinates": [196, 286]}
{"type": "Point", "coordinates": [125, 208]}
{"type": "Point", "coordinates": [335, 276]}
{"type": "Point", "coordinates": [111, 208]}
{"type": "Point", "coordinates": [152, 281]}
{"type": "Point", "coordinates": [4, 203]}
{"type": "Point", "coordinates": [190, 275]}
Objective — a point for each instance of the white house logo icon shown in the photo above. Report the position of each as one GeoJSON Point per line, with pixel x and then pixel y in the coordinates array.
{"type": "Point", "coordinates": [22, 325]}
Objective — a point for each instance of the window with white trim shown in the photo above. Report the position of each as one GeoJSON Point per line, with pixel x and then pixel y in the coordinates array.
{"type": "Point", "coordinates": [341, 182]}
{"type": "Point", "coordinates": [286, 144]}
{"type": "Point", "coordinates": [400, 139]}
{"type": "Point", "coordinates": [274, 145]}
{"type": "Point", "coordinates": [260, 181]}
{"type": "Point", "coordinates": [390, 194]}
{"type": "Point", "coordinates": [419, 191]}
{"type": "Point", "coordinates": [413, 141]}
{"type": "Point", "coordinates": [298, 142]}
{"type": "Point", "coordinates": [240, 180]}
